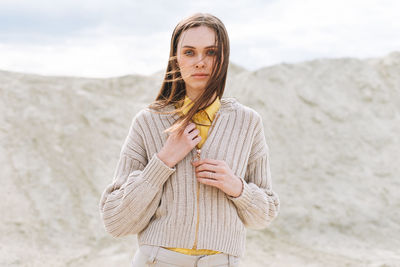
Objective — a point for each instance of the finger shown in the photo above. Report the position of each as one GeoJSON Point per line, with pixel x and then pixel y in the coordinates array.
{"type": "Point", "coordinates": [194, 133]}
{"type": "Point", "coordinates": [190, 127]}
{"type": "Point", "coordinates": [196, 140]}
{"type": "Point", "coordinates": [208, 175]}
{"type": "Point", "coordinates": [192, 130]}
{"type": "Point", "coordinates": [207, 167]}
{"type": "Point", "coordinates": [210, 182]}
{"type": "Point", "coordinates": [208, 161]}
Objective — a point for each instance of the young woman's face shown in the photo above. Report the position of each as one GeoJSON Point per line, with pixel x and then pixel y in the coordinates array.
{"type": "Point", "coordinates": [196, 55]}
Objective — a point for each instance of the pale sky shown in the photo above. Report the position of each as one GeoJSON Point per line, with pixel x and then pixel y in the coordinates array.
{"type": "Point", "coordinates": [97, 38]}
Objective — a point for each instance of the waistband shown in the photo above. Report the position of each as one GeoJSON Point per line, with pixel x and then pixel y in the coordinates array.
{"type": "Point", "coordinates": [157, 253]}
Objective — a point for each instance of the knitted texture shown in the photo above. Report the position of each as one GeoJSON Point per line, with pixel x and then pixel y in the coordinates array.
{"type": "Point", "coordinates": [148, 198]}
{"type": "Point", "coordinates": [203, 120]}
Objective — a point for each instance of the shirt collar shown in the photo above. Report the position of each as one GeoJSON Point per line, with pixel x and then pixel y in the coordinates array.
{"type": "Point", "coordinates": [210, 110]}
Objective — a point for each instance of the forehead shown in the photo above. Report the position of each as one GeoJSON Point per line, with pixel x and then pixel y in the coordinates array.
{"type": "Point", "coordinates": [198, 37]}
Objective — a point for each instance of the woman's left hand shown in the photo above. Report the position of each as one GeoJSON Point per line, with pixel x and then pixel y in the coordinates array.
{"type": "Point", "coordinates": [218, 174]}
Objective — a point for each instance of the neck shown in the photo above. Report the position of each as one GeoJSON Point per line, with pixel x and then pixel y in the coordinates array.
{"type": "Point", "coordinates": [193, 95]}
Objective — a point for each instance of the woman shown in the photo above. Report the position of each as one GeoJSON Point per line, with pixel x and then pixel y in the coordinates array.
{"type": "Point", "coordinates": [194, 169]}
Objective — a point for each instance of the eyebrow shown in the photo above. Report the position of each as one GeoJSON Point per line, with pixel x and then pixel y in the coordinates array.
{"type": "Point", "coordinates": [210, 46]}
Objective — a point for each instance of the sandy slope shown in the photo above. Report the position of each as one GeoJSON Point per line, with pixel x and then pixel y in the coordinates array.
{"type": "Point", "coordinates": [333, 127]}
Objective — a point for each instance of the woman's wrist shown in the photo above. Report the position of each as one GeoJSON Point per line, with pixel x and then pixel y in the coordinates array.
{"type": "Point", "coordinates": [241, 188]}
{"type": "Point", "coordinates": [164, 158]}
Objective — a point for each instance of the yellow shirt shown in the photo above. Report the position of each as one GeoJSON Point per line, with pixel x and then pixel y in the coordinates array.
{"type": "Point", "coordinates": [203, 120]}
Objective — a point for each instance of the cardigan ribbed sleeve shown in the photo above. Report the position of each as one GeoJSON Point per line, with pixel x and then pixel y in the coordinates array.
{"type": "Point", "coordinates": [129, 202]}
{"type": "Point", "coordinates": [258, 205]}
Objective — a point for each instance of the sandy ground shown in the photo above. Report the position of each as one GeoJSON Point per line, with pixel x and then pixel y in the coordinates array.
{"type": "Point", "coordinates": [333, 127]}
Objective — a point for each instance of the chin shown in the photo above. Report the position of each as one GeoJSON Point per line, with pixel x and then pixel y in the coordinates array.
{"type": "Point", "coordinates": [199, 88]}
{"type": "Point", "coordinates": [197, 85]}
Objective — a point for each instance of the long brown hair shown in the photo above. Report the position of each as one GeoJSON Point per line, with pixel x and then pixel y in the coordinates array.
{"type": "Point", "coordinates": [173, 88]}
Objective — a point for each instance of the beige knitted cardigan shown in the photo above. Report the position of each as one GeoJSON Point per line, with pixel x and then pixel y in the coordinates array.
{"type": "Point", "coordinates": [159, 203]}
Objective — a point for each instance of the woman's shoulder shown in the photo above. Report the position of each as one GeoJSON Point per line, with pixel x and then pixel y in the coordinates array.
{"type": "Point", "coordinates": [146, 112]}
{"type": "Point", "coordinates": [232, 103]}
{"type": "Point", "coordinates": [146, 119]}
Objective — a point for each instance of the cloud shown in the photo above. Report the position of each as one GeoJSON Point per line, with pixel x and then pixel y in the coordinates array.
{"type": "Point", "coordinates": [109, 38]}
{"type": "Point", "coordinates": [100, 57]}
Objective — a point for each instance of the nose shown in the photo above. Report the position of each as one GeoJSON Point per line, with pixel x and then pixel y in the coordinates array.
{"type": "Point", "coordinates": [200, 62]}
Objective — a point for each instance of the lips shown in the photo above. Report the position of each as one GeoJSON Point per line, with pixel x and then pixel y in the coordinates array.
{"type": "Point", "coordinates": [199, 74]}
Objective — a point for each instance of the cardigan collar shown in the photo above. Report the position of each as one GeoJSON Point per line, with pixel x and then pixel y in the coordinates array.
{"type": "Point", "coordinates": [207, 114]}
{"type": "Point", "coordinates": [228, 104]}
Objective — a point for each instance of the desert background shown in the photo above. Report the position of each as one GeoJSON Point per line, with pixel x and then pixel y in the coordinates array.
{"type": "Point", "coordinates": [332, 125]}
{"type": "Point", "coordinates": [324, 75]}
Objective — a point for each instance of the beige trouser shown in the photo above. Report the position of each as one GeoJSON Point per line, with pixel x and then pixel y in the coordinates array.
{"type": "Point", "coordinates": [155, 256]}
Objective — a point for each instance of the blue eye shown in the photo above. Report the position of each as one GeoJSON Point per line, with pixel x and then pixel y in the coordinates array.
{"type": "Point", "coordinates": [211, 52]}
{"type": "Point", "coordinates": [188, 52]}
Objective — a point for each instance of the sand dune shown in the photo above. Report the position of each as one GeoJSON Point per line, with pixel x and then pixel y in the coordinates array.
{"type": "Point", "coordinates": [333, 127]}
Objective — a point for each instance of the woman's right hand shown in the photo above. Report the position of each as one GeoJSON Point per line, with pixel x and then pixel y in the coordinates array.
{"type": "Point", "coordinates": [178, 145]}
